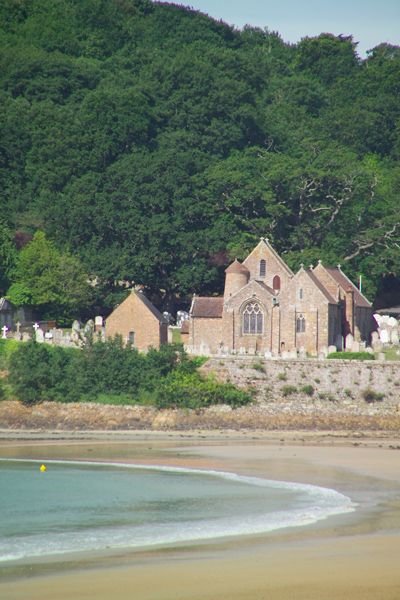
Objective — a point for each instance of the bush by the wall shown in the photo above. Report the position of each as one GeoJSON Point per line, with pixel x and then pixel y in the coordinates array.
{"type": "Point", "coordinates": [371, 395]}
{"type": "Point", "coordinates": [165, 377]}
{"type": "Point", "coordinates": [190, 390]}
{"type": "Point", "coordinates": [7, 347]}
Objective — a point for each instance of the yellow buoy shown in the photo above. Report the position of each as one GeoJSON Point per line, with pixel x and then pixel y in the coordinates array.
{"type": "Point", "coordinates": [43, 468]}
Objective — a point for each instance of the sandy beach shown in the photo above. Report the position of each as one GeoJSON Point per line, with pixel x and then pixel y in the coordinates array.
{"type": "Point", "coordinates": [351, 556]}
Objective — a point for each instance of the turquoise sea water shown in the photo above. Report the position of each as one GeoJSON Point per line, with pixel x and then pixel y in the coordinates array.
{"type": "Point", "coordinates": [77, 506]}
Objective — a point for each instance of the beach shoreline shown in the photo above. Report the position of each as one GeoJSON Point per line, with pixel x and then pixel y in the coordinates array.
{"type": "Point", "coordinates": [352, 555]}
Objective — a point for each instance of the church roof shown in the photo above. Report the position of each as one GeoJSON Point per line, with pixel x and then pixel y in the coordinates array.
{"type": "Point", "coordinates": [265, 287]}
{"type": "Point", "coordinates": [345, 283]}
{"type": "Point", "coordinates": [5, 305]}
{"type": "Point", "coordinates": [207, 307]}
{"type": "Point", "coordinates": [321, 287]}
{"type": "Point", "coordinates": [237, 267]}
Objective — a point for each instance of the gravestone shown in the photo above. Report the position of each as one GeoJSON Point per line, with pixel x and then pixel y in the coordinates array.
{"type": "Point", "coordinates": [384, 336]}
{"type": "Point", "coordinates": [394, 338]}
{"type": "Point", "coordinates": [39, 335]}
{"type": "Point", "coordinates": [349, 342]}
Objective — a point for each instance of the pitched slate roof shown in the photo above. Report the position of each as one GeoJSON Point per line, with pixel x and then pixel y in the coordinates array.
{"type": "Point", "coordinates": [265, 287]}
{"type": "Point", "coordinates": [345, 284]}
{"type": "Point", "coordinates": [207, 307]}
{"type": "Point", "coordinates": [321, 287]}
{"type": "Point", "coordinates": [5, 305]}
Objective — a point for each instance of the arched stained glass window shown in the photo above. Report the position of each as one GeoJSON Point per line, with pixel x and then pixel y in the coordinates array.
{"type": "Point", "coordinates": [253, 318]}
{"type": "Point", "coordinates": [263, 268]}
{"type": "Point", "coordinates": [300, 324]}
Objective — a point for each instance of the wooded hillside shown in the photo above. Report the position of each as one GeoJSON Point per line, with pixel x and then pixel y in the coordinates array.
{"type": "Point", "coordinates": [153, 144]}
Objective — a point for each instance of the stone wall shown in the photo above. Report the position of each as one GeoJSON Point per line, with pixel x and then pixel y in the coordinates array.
{"type": "Point", "coordinates": [329, 382]}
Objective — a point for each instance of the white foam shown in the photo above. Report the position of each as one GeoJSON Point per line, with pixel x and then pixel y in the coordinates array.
{"type": "Point", "coordinates": [317, 503]}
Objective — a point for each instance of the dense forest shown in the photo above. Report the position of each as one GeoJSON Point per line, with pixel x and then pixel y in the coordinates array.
{"type": "Point", "coordinates": [148, 143]}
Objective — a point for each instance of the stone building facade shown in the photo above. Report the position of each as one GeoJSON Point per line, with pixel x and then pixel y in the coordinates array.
{"type": "Point", "coordinates": [267, 309]}
{"type": "Point", "coordinates": [138, 321]}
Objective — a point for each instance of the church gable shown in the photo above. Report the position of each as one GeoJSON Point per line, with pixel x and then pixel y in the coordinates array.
{"type": "Point", "coordinates": [254, 289]}
{"type": "Point", "coordinates": [307, 288]}
{"type": "Point", "coordinates": [264, 264]}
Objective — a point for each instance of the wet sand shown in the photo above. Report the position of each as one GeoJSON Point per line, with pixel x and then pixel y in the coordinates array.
{"type": "Point", "coordinates": [353, 556]}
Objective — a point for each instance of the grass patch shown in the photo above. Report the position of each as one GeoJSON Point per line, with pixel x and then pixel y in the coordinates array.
{"type": "Point", "coordinates": [258, 366]}
{"type": "Point", "coordinates": [351, 355]}
{"type": "Point", "coordinates": [282, 376]}
{"type": "Point", "coordinates": [392, 353]}
{"type": "Point", "coordinates": [307, 389]}
{"type": "Point", "coordinates": [288, 390]}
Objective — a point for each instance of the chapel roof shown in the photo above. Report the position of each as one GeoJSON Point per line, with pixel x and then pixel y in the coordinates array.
{"type": "Point", "coordinates": [5, 304]}
{"type": "Point", "coordinates": [237, 267]}
{"type": "Point", "coordinates": [207, 307]}
{"type": "Point", "coordinates": [321, 287]}
{"type": "Point", "coordinates": [345, 283]}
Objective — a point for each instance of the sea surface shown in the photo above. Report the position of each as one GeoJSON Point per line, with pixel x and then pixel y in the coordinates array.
{"type": "Point", "coordinates": [76, 506]}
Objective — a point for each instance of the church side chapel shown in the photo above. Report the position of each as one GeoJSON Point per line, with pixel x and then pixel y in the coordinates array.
{"type": "Point", "coordinates": [266, 309]}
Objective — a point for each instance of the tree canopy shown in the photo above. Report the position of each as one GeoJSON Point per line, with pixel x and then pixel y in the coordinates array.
{"type": "Point", "coordinates": [152, 144]}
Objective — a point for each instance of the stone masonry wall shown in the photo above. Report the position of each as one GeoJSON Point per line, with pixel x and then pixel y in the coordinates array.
{"type": "Point", "coordinates": [328, 382]}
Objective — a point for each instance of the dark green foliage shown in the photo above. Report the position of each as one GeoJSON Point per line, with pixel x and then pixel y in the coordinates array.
{"type": "Point", "coordinates": [307, 389]}
{"type": "Point", "coordinates": [7, 348]}
{"type": "Point", "coordinates": [371, 395]}
{"type": "Point", "coordinates": [110, 372]}
{"type": "Point", "coordinates": [189, 390]}
{"type": "Point", "coordinates": [352, 355]}
{"type": "Point", "coordinates": [153, 144]}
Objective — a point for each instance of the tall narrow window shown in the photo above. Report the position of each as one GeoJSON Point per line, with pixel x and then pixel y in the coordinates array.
{"type": "Point", "coordinates": [300, 324]}
{"type": "Point", "coordinates": [301, 294]}
{"type": "Point", "coordinates": [131, 338]}
{"type": "Point", "coordinates": [276, 284]}
{"type": "Point", "coordinates": [263, 268]}
{"type": "Point", "coordinates": [253, 318]}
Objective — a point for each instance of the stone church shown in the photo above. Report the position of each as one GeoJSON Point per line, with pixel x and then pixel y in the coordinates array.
{"type": "Point", "coordinates": [267, 309]}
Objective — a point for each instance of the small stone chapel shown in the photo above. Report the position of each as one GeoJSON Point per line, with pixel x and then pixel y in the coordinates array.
{"type": "Point", "coordinates": [269, 310]}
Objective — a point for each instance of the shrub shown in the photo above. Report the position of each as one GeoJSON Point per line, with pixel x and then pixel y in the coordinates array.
{"type": "Point", "coordinates": [258, 366]}
{"type": "Point", "coordinates": [287, 390]}
{"type": "Point", "coordinates": [7, 348]}
{"type": "Point", "coordinates": [110, 373]}
{"type": "Point", "coordinates": [352, 355]}
{"type": "Point", "coordinates": [307, 389]}
{"type": "Point", "coordinates": [371, 395]}
{"type": "Point", "coordinates": [282, 376]}
{"type": "Point", "coordinates": [190, 390]}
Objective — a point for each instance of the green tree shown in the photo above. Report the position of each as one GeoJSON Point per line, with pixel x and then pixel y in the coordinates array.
{"type": "Point", "coordinates": [53, 282]}
{"type": "Point", "coordinates": [7, 257]}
